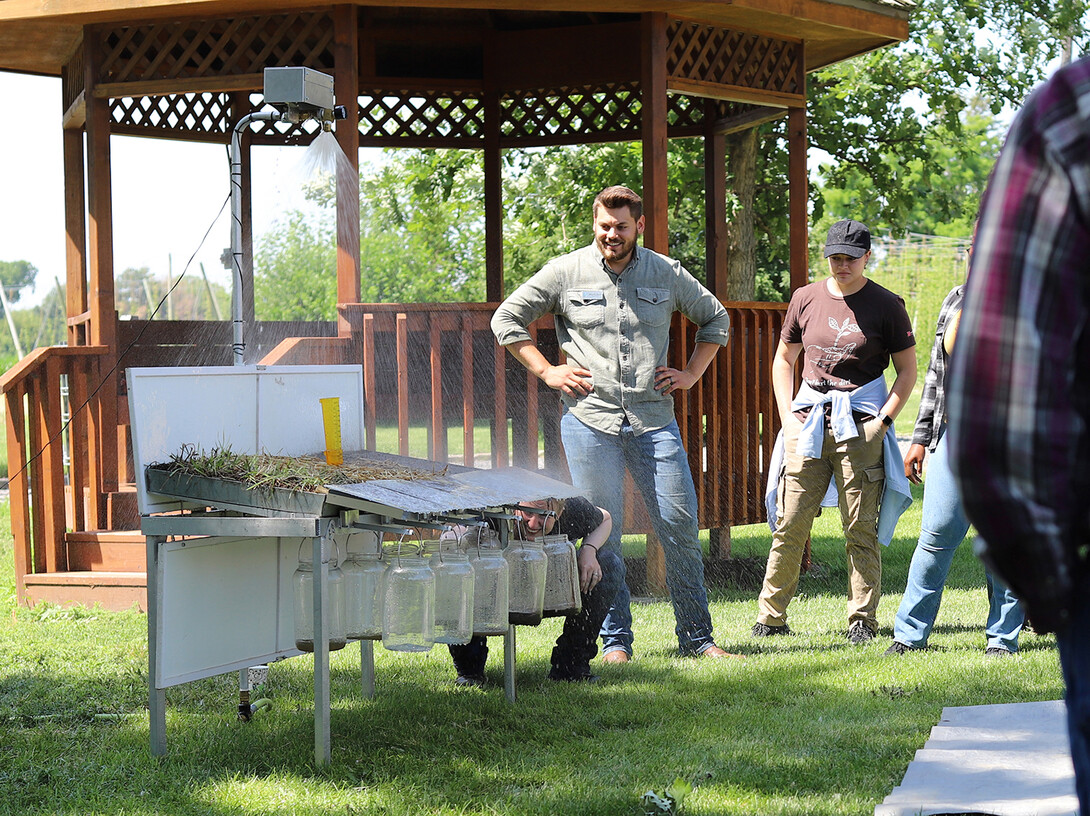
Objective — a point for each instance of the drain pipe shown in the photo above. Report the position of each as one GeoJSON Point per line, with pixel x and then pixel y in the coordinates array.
{"type": "Point", "coordinates": [238, 344]}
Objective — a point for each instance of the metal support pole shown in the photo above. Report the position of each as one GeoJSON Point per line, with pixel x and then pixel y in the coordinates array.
{"type": "Point", "coordinates": [367, 668]}
{"type": "Point", "coordinates": [237, 342]}
{"type": "Point", "coordinates": [157, 698]}
{"type": "Point", "coordinates": [509, 663]}
{"type": "Point", "coordinates": [322, 750]}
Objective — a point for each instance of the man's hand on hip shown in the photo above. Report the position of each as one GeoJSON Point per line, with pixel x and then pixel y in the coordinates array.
{"type": "Point", "coordinates": [574, 382]}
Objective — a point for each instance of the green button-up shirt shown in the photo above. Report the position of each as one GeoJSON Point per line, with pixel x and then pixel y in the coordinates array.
{"type": "Point", "coordinates": [615, 326]}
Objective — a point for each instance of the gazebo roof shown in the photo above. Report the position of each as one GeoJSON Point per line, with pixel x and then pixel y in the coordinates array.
{"type": "Point", "coordinates": [40, 36]}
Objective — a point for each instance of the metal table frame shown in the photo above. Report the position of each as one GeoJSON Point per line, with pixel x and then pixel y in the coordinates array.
{"type": "Point", "coordinates": [215, 530]}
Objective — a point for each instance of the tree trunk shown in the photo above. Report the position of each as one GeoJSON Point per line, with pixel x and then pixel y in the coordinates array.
{"type": "Point", "coordinates": [741, 230]}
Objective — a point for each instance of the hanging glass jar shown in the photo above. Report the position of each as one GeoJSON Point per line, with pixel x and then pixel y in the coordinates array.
{"type": "Point", "coordinates": [303, 590]}
{"type": "Point", "coordinates": [453, 592]}
{"type": "Point", "coordinates": [562, 595]}
{"type": "Point", "coordinates": [527, 562]}
{"type": "Point", "coordinates": [491, 581]}
{"type": "Point", "coordinates": [408, 615]}
{"type": "Point", "coordinates": [363, 571]}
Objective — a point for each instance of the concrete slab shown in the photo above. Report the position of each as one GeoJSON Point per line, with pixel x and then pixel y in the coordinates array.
{"type": "Point", "coordinates": [1000, 760]}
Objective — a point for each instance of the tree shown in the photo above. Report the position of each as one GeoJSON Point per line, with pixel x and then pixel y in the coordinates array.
{"type": "Point", "coordinates": [15, 276]}
{"type": "Point", "coordinates": [894, 117]}
{"type": "Point", "coordinates": [295, 271]}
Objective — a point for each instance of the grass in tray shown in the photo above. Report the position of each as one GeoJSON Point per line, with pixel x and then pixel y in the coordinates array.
{"type": "Point", "coordinates": [264, 471]}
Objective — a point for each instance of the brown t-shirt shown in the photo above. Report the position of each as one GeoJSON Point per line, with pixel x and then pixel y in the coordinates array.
{"type": "Point", "coordinates": [847, 341]}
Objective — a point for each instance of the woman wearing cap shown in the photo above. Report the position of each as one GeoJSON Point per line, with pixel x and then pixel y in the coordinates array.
{"type": "Point", "coordinates": [847, 329]}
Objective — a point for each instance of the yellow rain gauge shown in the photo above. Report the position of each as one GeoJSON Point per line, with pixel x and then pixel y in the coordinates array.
{"type": "Point", "coordinates": [331, 419]}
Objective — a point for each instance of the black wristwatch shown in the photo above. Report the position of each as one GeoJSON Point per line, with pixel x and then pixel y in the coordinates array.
{"type": "Point", "coordinates": [887, 420]}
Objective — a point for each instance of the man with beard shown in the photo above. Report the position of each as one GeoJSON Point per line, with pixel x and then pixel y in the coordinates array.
{"type": "Point", "coordinates": [613, 302]}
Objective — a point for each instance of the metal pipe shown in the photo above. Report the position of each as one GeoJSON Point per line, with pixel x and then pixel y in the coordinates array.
{"type": "Point", "coordinates": [238, 344]}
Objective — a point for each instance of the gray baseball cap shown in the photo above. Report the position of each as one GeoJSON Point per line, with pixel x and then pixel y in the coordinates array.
{"type": "Point", "coordinates": [848, 237]}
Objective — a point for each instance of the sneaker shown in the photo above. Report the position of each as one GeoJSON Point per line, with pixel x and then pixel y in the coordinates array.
{"type": "Point", "coordinates": [764, 630]}
{"type": "Point", "coordinates": [898, 649]}
{"type": "Point", "coordinates": [997, 651]}
{"type": "Point", "coordinates": [858, 633]}
{"type": "Point", "coordinates": [471, 680]}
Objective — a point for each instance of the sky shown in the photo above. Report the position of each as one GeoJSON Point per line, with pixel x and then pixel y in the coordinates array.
{"type": "Point", "coordinates": [166, 193]}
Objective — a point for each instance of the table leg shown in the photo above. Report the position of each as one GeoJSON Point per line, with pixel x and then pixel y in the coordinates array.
{"type": "Point", "coordinates": [157, 698]}
{"type": "Point", "coordinates": [322, 753]}
{"type": "Point", "coordinates": [367, 668]}
{"type": "Point", "coordinates": [509, 663]}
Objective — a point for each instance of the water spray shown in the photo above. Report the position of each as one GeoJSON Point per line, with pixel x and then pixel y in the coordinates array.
{"type": "Point", "coordinates": [296, 94]}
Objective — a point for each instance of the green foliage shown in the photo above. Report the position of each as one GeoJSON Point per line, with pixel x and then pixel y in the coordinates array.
{"type": "Point", "coordinates": [422, 227]}
{"type": "Point", "coordinates": [896, 122]}
{"type": "Point", "coordinates": [295, 271]}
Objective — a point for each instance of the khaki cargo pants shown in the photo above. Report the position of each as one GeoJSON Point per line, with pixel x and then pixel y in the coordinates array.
{"type": "Point", "coordinates": [856, 465]}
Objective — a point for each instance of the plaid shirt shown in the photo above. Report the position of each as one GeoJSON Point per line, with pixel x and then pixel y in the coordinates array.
{"type": "Point", "coordinates": [932, 414]}
{"type": "Point", "coordinates": [1020, 381]}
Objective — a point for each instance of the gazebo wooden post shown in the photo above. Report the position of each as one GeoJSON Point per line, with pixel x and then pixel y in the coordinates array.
{"type": "Point", "coordinates": [715, 204]}
{"type": "Point", "coordinates": [346, 85]}
{"type": "Point", "coordinates": [715, 253]}
{"type": "Point", "coordinates": [102, 312]}
{"type": "Point", "coordinates": [493, 182]}
{"type": "Point", "coordinates": [798, 197]}
{"type": "Point", "coordinates": [75, 220]}
{"type": "Point", "coordinates": [655, 186]}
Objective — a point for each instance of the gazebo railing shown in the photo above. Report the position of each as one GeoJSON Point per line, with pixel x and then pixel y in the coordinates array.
{"type": "Point", "coordinates": [49, 490]}
{"type": "Point", "coordinates": [431, 371]}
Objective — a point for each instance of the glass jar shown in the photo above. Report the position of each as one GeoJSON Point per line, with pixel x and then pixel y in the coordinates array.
{"type": "Point", "coordinates": [303, 590]}
{"type": "Point", "coordinates": [527, 562]}
{"type": "Point", "coordinates": [408, 614]}
{"type": "Point", "coordinates": [453, 593]}
{"type": "Point", "coordinates": [562, 595]}
{"type": "Point", "coordinates": [491, 581]}
{"type": "Point", "coordinates": [363, 571]}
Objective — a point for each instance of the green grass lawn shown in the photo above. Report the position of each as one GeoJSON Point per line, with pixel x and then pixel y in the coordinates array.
{"type": "Point", "coordinates": [807, 724]}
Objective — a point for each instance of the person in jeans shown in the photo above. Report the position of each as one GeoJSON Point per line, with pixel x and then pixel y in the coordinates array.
{"type": "Point", "coordinates": [613, 302]}
{"type": "Point", "coordinates": [846, 329]}
{"type": "Point", "coordinates": [1020, 382]}
{"type": "Point", "coordinates": [600, 573]}
{"type": "Point", "coordinates": [944, 523]}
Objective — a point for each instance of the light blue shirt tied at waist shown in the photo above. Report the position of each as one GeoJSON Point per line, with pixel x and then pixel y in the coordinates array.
{"type": "Point", "coordinates": [867, 399]}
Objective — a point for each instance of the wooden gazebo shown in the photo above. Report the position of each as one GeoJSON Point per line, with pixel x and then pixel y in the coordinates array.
{"type": "Point", "coordinates": [439, 73]}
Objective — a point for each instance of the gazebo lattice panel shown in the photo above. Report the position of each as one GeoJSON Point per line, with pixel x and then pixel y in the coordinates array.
{"type": "Point", "coordinates": [571, 112]}
{"type": "Point", "coordinates": [720, 56]}
{"type": "Point", "coordinates": [205, 113]}
{"type": "Point", "coordinates": [387, 115]}
{"type": "Point", "coordinates": [215, 48]}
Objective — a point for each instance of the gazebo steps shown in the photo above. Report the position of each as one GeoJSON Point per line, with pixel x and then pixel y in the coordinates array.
{"type": "Point", "coordinates": [120, 551]}
{"type": "Point", "coordinates": [112, 591]}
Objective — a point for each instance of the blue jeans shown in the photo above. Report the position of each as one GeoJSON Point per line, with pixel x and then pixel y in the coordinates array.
{"type": "Point", "coordinates": [660, 468]}
{"type": "Point", "coordinates": [1074, 649]}
{"type": "Point", "coordinates": [943, 528]}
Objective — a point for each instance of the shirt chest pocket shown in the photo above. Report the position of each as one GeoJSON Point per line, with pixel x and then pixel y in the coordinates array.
{"type": "Point", "coordinates": [653, 306]}
{"type": "Point", "coordinates": [586, 308]}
